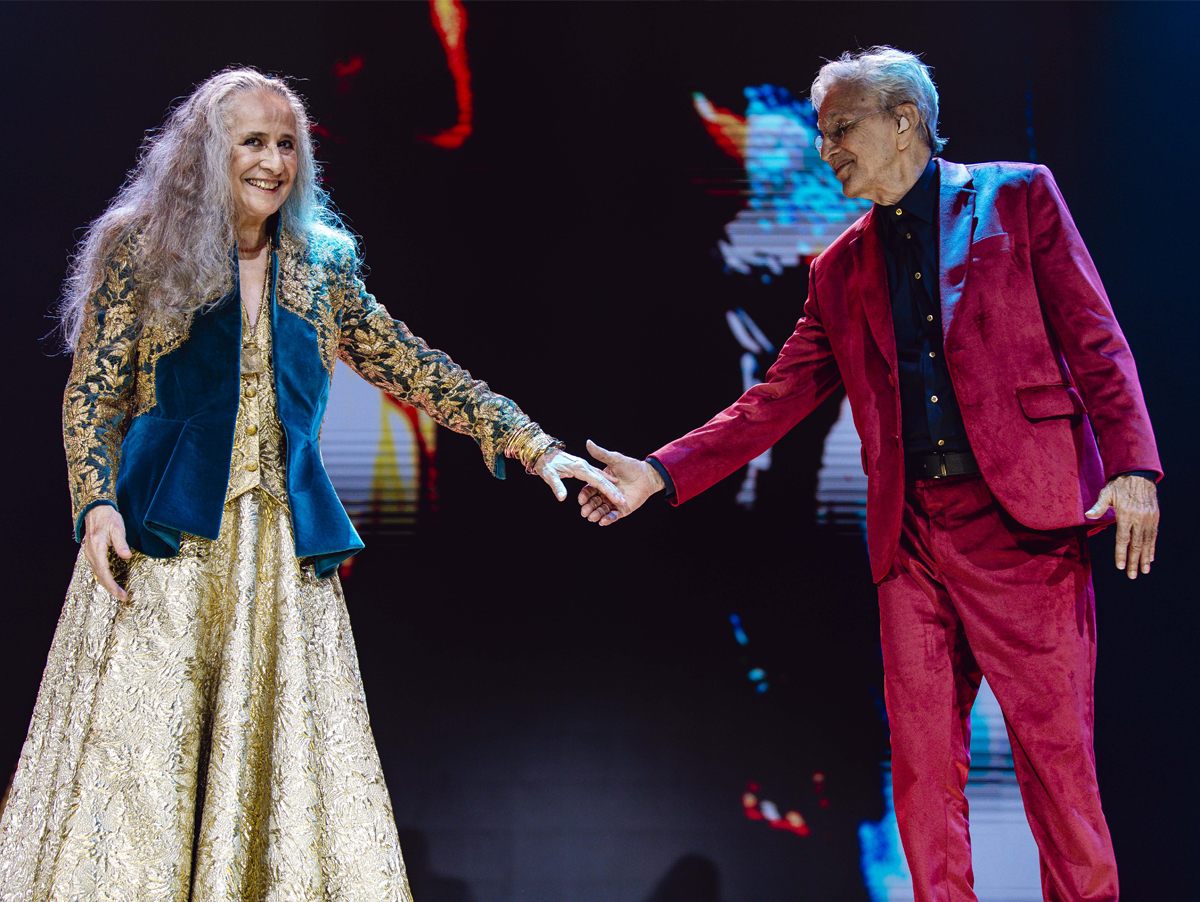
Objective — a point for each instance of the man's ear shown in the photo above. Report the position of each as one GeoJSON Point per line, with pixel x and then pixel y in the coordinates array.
{"type": "Point", "coordinates": [907, 121]}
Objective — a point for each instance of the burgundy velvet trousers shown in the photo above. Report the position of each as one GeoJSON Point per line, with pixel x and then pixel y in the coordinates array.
{"type": "Point", "coordinates": [971, 593]}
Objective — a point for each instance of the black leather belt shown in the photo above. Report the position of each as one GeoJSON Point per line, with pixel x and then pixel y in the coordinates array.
{"type": "Point", "coordinates": [935, 466]}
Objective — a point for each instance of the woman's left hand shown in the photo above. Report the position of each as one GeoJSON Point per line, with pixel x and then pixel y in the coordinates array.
{"type": "Point", "coordinates": [556, 466]}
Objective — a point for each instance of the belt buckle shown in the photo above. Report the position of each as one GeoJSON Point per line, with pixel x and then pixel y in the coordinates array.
{"type": "Point", "coordinates": [942, 466]}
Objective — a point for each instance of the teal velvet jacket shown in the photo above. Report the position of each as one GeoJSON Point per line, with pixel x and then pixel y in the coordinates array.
{"type": "Point", "coordinates": [149, 410]}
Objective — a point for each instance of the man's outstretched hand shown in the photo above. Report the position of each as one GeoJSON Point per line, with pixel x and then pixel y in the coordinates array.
{"type": "Point", "coordinates": [1134, 500]}
{"type": "Point", "coordinates": [635, 478]}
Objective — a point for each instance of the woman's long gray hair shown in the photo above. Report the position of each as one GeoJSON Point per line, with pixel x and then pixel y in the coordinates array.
{"type": "Point", "coordinates": [180, 197]}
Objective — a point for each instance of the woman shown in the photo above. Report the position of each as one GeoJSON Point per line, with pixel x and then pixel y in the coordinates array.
{"type": "Point", "coordinates": [200, 732]}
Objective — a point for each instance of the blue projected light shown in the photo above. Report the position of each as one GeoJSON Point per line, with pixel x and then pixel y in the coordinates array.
{"type": "Point", "coordinates": [757, 675]}
{"type": "Point", "coordinates": [738, 632]}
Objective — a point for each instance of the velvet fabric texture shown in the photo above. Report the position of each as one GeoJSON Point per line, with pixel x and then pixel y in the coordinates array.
{"type": "Point", "coordinates": [175, 457]}
{"type": "Point", "coordinates": [1044, 377]}
{"type": "Point", "coordinates": [973, 593]}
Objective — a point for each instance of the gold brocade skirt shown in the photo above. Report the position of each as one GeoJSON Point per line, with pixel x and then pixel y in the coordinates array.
{"type": "Point", "coordinates": [207, 740]}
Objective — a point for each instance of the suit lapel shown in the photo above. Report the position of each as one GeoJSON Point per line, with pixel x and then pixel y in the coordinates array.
{"type": "Point", "coordinates": [956, 226]}
{"type": "Point", "coordinates": [866, 276]}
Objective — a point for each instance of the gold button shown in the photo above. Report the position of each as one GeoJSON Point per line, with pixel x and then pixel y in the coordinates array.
{"type": "Point", "coordinates": [253, 430]}
{"type": "Point", "coordinates": [918, 275]}
{"type": "Point", "coordinates": [898, 211]}
{"type": "Point", "coordinates": [908, 234]}
{"type": "Point", "coordinates": [251, 392]}
{"type": "Point", "coordinates": [931, 354]}
{"type": "Point", "coordinates": [934, 399]}
{"type": "Point", "coordinates": [941, 441]}
{"type": "Point", "coordinates": [252, 466]}
{"type": "Point", "coordinates": [929, 318]}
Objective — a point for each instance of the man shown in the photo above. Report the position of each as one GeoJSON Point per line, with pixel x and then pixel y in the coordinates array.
{"type": "Point", "coordinates": [999, 410]}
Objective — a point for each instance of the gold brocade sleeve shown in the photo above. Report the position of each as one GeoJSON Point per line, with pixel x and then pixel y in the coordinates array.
{"type": "Point", "coordinates": [100, 389]}
{"type": "Point", "coordinates": [385, 353]}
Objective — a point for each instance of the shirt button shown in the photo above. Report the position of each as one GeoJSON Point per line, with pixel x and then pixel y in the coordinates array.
{"type": "Point", "coordinates": [929, 318]}
{"type": "Point", "coordinates": [898, 211]}
{"type": "Point", "coordinates": [253, 430]}
{"type": "Point", "coordinates": [918, 275]}
{"type": "Point", "coordinates": [252, 466]}
{"type": "Point", "coordinates": [931, 354]}
{"type": "Point", "coordinates": [251, 391]}
{"type": "Point", "coordinates": [941, 442]}
{"type": "Point", "coordinates": [933, 399]}
{"type": "Point", "coordinates": [908, 234]}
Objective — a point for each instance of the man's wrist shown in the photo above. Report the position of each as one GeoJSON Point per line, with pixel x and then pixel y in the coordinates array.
{"type": "Point", "coordinates": [660, 478]}
{"type": "Point", "coordinates": [656, 479]}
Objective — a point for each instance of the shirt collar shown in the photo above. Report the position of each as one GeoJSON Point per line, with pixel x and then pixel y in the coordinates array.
{"type": "Point", "coordinates": [921, 200]}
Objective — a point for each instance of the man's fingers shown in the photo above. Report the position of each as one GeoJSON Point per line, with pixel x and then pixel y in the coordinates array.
{"type": "Point", "coordinates": [600, 511]}
{"type": "Point", "coordinates": [1135, 551]}
{"type": "Point", "coordinates": [601, 454]}
{"type": "Point", "coordinates": [1122, 542]}
{"type": "Point", "coordinates": [1148, 551]}
{"type": "Point", "coordinates": [1103, 503]}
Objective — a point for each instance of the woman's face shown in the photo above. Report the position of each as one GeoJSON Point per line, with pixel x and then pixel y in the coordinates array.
{"type": "Point", "coordinates": [262, 166]}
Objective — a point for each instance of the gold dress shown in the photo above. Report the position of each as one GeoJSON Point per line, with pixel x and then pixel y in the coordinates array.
{"type": "Point", "coordinates": [207, 740]}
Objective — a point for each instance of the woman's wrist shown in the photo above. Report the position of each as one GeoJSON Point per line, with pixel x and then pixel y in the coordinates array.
{"type": "Point", "coordinates": [528, 444]}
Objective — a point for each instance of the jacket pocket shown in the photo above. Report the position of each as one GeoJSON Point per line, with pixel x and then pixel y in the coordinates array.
{"type": "Point", "coordinates": [991, 245]}
{"type": "Point", "coordinates": [1043, 402]}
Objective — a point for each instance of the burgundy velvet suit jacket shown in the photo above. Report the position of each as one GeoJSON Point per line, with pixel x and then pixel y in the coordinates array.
{"type": "Point", "coordinates": [1045, 380]}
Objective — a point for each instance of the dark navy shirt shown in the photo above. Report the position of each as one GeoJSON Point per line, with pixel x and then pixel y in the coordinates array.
{"type": "Point", "coordinates": [932, 420]}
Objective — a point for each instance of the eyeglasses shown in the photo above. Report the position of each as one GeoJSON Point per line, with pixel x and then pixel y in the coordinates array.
{"type": "Point", "coordinates": [838, 132]}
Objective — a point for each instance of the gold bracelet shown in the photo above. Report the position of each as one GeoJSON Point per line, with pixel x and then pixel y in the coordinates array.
{"type": "Point", "coordinates": [519, 440]}
{"type": "Point", "coordinates": [548, 444]}
{"type": "Point", "coordinates": [528, 443]}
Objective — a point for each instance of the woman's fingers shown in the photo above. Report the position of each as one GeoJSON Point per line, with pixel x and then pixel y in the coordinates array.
{"type": "Point", "coordinates": [98, 558]}
{"type": "Point", "coordinates": [556, 484]}
{"type": "Point", "coordinates": [593, 477]}
{"type": "Point", "coordinates": [105, 530]}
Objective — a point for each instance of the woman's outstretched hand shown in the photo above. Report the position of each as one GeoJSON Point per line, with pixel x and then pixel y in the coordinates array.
{"type": "Point", "coordinates": [556, 466]}
{"type": "Point", "coordinates": [638, 479]}
{"type": "Point", "coordinates": [104, 528]}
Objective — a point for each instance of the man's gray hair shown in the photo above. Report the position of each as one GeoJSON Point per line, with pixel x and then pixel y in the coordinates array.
{"type": "Point", "coordinates": [894, 76]}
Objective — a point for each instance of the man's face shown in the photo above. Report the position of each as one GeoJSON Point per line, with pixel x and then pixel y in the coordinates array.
{"type": "Point", "coordinates": [866, 158]}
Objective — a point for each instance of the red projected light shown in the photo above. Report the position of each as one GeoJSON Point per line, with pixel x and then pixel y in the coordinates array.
{"type": "Point", "coordinates": [450, 22]}
{"type": "Point", "coordinates": [760, 809]}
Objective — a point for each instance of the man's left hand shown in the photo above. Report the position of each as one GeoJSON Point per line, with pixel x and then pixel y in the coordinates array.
{"type": "Point", "coordinates": [1134, 499]}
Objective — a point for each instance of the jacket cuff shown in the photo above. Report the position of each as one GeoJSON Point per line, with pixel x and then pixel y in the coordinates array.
{"type": "Point", "coordinates": [666, 477]}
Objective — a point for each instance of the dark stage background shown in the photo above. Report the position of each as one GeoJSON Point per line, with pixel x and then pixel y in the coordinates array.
{"type": "Point", "coordinates": [562, 711]}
